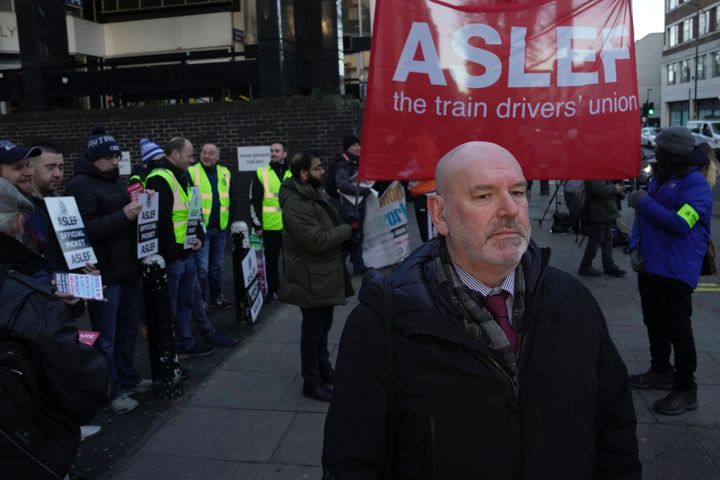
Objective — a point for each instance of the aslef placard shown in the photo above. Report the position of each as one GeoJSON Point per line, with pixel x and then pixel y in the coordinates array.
{"type": "Point", "coordinates": [147, 229]}
{"type": "Point", "coordinates": [70, 231]}
{"type": "Point", "coordinates": [252, 284]}
{"type": "Point", "coordinates": [195, 217]}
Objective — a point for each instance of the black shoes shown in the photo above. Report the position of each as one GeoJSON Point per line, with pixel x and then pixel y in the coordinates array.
{"type": "Point", "coordinates": [589, 272]}
{"type": "Point", "coordinates": [195, 351]}
{"type": "Point", "coordinates": [652, 379]}
{"type": "Point", "coordinates": [615, 271]}
{"type": "Point", "coordinates": [677, 402]}
{"type": "Point", "coordinates": [319, 392]}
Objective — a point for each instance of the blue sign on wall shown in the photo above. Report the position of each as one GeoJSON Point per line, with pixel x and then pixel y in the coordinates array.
{"type": "Point", "coordinates": [74, 3]}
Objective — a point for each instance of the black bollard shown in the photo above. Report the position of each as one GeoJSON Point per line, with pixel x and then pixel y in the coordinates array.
{"type": "Point", "coordinates": [240, 247]}
{"type": "Point", "coordinates": [164, 364]}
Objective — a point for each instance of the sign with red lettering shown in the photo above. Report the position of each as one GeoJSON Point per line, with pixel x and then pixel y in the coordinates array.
{"type": "Point", "coordinates": [552, 81]}
{"type": "Point", "coordinates": [88, 337]}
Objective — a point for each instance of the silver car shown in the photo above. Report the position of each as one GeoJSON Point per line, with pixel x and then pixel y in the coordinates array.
{"type": "Point", "coordinates": [647, 136]}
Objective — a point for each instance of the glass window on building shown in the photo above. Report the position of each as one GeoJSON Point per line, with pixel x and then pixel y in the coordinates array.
{"type": "Point", "coordinates": [684, 71]}
{"type": "Point", "coordinates": [704, 22]}
{"type": "Point", "coordinates": [687, 29]}
{"type": "Point", "coordinates": [672, 36]}
{"type": "Point", "coordinates": [679, 113]}
{"type": "Point", "coordinates": [6, 6]}
{"type": "Point", "coordinates": [672, 74]}
{"type": "Point", "coordinates": [356, 18]}
{"type": "Point", "coordinates": [701, 75]}
{"type": "Point", "coordinates": [715, 59]}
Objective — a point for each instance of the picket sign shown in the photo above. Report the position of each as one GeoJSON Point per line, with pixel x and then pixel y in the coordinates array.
{"type": "Point", "coordinates": [552, 81]}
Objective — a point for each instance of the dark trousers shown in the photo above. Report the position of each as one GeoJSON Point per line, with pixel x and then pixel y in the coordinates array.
{"type": "Point", "coordinates": [667, 308]}
{"type": "Point", "coordinates": [598, 235]}
{"type": "Point", "coordinates": [316, 323]}
{"type": "Point", "coordinates": [272, 241]}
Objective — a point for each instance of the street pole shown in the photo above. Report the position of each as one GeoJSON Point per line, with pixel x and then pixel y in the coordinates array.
{"type": "Point", "coordinates": [697, 44]}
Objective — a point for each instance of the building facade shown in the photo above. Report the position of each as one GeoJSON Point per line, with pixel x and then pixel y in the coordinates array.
{"type": "Point", "coordinates": [648, 55]}
{"type": "Point", "coordinates": [691, 61]}
{"type": "Point", "coordinates": [105, 53]}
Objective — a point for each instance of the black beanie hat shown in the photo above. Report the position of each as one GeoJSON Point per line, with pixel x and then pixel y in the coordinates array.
{"type": "Point", "coordinates": [101, 145]}
{"type": "Point", "coordinates": [349, 141]}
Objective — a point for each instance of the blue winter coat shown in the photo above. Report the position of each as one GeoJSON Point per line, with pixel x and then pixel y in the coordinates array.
{"type": "Point", "coordinates": [670, 246]}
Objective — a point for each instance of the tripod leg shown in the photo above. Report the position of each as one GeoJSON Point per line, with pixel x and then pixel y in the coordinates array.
{"type": "Point", "coordinates": [554, 196]}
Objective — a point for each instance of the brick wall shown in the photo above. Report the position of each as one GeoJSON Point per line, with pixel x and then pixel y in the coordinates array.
{"type": "Point", "coordinates": [317, 123]}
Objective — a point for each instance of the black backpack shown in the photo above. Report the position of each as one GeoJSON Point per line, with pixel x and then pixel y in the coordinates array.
{"type": "Point", "coordinates": [35, 442]}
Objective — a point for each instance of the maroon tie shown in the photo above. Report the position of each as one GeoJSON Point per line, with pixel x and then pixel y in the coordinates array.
{"type": "Point", "coordinates": [498, 308]}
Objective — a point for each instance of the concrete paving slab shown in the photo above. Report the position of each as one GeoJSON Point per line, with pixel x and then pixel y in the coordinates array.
{"type": "Point", "coordinates": [222, 434]}
{"type": "Point", "coordinates": [267, 357]}
{"type": "Point", "coordinates": [643, 411]}
{"type": "Point", "coordinates": [259, 471]}
{"type": "Point", "coordinates": [302, 444]}
{"type": "Point", "coordinates": [661, 446]}
{"type": "Point", "coordinates": [294, 401]}
{"type": "Point", "coordinates": [709, 440]}
{"type": "Point", "coordinates": [629, 337]}
{"type": "Point", "coordinates": [161, 467]}
{"type": "Point", "coordinates": [284, 327]}
{"type": "Point", "coordinates": [240, 389]}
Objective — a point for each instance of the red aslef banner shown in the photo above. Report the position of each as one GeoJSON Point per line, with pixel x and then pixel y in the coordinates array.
{"type": "Point", "coordinates": [553, 81]}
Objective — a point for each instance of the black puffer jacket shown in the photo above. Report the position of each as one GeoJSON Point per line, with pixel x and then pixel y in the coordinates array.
{"type": "Point", "coordinates": [74, 376]}
{"type": "Point", "coordinates": [101, 197]}
{"type": "Point", "coordinates": [568, 414]}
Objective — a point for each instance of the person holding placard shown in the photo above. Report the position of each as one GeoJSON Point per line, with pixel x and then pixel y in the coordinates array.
{"type": "Point", "coordinates": [110, 221]}
{"type": "Point", "coordinates": [180, 234]}
{"type": "Point", "coordinates": [266, 214]}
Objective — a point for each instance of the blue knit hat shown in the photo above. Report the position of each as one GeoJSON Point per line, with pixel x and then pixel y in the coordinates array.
{"type": "Point", "coordinates": [101, 145]}
{"type": "Point", "coordinates": [150, 150]}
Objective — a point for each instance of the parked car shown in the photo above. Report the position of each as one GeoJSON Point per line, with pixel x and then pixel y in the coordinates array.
{"type": "Point", "coordinates": [709, 129]}
{"type": "Point", "coordinates": [647, 136]}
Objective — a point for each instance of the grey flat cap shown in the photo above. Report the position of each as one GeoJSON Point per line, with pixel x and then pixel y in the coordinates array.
{"type": "Point", "coordinates": [11, 200]}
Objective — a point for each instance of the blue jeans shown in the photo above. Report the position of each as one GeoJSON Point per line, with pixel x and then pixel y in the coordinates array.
{"type": "Point", "coordinates": [199, 314]}
{"type": "Point", "coordinates": [118, 321]}
{"type": "Point", "coordinates": [181, 288]}
{"type": "Point", "coordinates": [208, 261]}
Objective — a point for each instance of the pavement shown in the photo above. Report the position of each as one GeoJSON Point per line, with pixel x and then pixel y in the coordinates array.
{"type": "Point", "coordinates": [247, 418]}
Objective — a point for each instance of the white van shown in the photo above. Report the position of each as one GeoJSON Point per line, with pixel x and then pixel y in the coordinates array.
{"type": "Point", "coordinates": [705, 128]}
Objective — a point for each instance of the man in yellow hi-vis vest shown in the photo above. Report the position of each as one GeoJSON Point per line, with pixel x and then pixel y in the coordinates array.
{"type": "Point", "coordinates": [172, 184]}
{"type": "Point", "coordinates": [266, 214]}
{"type": "Point", "coordinates": [214, 183]}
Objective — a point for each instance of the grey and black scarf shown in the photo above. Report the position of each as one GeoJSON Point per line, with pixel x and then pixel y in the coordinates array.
{"type": "Point", "coordinates": [475, 318]}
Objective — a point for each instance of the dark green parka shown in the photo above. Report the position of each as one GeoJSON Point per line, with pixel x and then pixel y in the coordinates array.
{"type": "Point", "coordinates": [602, 201]}
{"type": "Point", "coordinates": [312, 237]}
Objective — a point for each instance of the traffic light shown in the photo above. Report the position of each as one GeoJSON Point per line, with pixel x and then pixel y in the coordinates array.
{"type": "Point", "coordinates": [650, 109]}
{"type": "Point", "coordinates": [645, 109]}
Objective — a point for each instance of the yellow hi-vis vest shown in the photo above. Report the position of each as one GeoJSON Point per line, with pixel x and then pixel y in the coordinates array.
{"type": "Point", "coordinates": [181, 203]}
{"type": "Point", "coordinates": [271, 213]}
{"type": "Point", "coordinates": [200, 179]}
